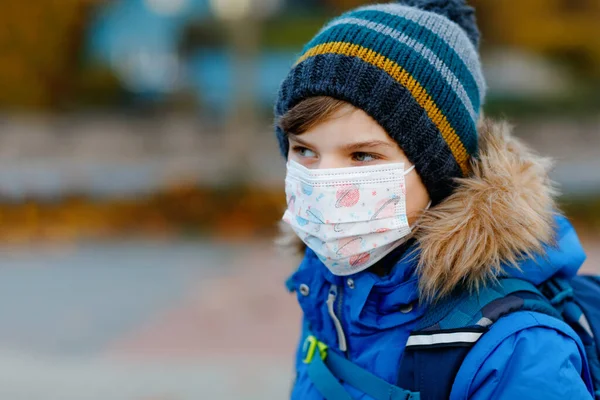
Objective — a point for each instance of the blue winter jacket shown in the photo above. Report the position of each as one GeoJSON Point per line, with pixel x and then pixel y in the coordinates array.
{"type": "Point", "coordinates": [524, 355]}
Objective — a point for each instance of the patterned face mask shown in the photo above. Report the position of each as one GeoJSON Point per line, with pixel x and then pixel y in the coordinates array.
{"type": "Point", "coordinates": [350, 217]}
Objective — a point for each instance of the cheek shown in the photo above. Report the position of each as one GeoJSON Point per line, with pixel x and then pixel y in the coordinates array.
{"type": "Point", "coordinates": [417, 197]}
{"type": "Point", "coordinates": [292, 155]}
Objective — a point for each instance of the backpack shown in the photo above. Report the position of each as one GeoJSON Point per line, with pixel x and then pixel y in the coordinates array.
{"type": "Point", "coordinates": [449, 329]}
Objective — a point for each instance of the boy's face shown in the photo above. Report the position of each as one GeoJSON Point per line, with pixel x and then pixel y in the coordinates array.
{"type": "Point", "coordinates": [351, 138]}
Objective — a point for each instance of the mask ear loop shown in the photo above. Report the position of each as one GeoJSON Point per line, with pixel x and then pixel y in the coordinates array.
{"type": "Point", "coordinates": [416, 225]}
{"type": "Point", "coordinates": [408, 171]}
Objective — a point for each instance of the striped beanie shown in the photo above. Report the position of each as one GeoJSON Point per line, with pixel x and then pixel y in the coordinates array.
{"type": "Point", "coordinates": [414, 67]}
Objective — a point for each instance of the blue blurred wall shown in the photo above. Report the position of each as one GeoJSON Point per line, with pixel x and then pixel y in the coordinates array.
{"type": "Point", "coordinates": [141, 46]}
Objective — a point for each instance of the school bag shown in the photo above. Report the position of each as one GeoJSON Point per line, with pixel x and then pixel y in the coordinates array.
{"type": "Point", "coordinates": [449, 329]}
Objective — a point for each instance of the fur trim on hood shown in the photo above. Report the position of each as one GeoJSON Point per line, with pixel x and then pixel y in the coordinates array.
{"type": "Point", "coordinates": [503, 212]}
{"type": "Point", "coordinates": [500, 214]}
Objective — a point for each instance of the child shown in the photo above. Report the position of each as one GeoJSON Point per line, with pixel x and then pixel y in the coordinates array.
{"type": "Point", "coordinates": [410, 205]}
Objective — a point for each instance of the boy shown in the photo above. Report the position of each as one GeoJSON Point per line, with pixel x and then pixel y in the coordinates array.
{"type": "Point", "coordinates": [405, 199]}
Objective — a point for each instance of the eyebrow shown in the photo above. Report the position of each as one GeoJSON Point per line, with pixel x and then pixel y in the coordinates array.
{"type": "Point", "coordinates": [349, 147]}
{"type": "Point", "coordinates": [366, 145]}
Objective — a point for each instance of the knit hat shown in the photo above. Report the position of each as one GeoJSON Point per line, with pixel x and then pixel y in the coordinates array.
{"type": "Point", "coordinates": [414, 67]}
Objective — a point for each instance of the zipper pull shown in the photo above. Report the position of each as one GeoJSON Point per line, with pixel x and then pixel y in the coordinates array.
{"type": "Point", "coordinates": [338, 325]}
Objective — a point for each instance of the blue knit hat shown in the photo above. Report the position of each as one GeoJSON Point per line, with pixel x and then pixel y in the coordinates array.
{"type": "Point", "coordinates": [414, 67]}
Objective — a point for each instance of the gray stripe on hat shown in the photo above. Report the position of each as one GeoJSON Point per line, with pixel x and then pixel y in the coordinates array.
{"type": "Point", "coordinates": [438, 24]}
{"type": "Point", "coordinates": [424, 51]}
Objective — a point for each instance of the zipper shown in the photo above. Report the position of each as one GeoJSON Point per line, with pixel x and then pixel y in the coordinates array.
{"type": "Point", "coordinates": [331, 300]}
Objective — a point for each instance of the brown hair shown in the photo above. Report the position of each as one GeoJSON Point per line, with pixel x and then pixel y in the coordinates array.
{"type": "Point", "coordinates": [309, 113]}
{"type": "Point", "coordinates": [301, 118]}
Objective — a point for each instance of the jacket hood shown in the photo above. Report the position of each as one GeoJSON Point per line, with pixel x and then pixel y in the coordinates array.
{"type": "Point", "coordinates": [501, 220]}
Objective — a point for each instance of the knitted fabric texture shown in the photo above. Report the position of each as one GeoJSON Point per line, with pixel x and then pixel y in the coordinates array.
{"type": "Point", "coordinates": [410, 67]}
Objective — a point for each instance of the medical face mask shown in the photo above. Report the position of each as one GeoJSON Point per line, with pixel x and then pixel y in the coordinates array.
{"type": "Point", "coordinates": [350, 217]}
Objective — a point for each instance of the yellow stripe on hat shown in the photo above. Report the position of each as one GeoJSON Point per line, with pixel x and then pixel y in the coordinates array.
{"type": "Point", "coordinates": [405, 79]}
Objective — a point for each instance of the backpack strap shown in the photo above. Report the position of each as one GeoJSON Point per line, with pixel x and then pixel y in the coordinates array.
{"type": "Point", "coordinates": [583, 315]}
{"type": "Point", "coordinates": [481, 309]}
{"type": "Point", "coordinates": [449, 329]}
{"type": "Point", "coordinates": [328, 368]}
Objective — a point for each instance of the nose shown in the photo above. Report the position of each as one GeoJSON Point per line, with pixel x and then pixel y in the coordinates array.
{"type": "Point", "coordinates": [330, 161]}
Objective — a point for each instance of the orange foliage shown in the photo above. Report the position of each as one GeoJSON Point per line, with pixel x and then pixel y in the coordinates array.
{"type": "Point", "coordinates": [183, 210]}
{"type": "Point", "coordinates": [40, 43]}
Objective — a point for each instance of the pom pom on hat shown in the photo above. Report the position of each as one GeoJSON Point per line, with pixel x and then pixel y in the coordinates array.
{"type": "Point", "coordinates": [455, 10]}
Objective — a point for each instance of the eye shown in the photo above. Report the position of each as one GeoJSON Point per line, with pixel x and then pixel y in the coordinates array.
{"type": "Point", "coordinates": [364, 157]}
{"type": "Point", "coordinates": [303, 151]}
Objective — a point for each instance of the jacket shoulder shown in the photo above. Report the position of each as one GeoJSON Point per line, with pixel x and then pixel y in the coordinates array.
{"type": "Point", "coordinates": [525, 352]}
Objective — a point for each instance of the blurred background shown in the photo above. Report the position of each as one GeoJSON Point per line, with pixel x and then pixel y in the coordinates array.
{"type": "Point", "coordinates": [140, 182]}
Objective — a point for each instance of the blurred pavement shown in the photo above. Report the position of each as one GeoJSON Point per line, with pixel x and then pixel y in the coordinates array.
{"type": "Point", "coordinates": [148, 321]}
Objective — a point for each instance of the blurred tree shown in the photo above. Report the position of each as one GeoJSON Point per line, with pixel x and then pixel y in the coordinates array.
{"type": "Point", "coordinates": [41, 42]}
{"type": "Point", "coordinates": [566, 30]}
{"type": "Point", "coordinates": [202, 33]}
{"type": "Point", "coordinates": [94, 86]}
